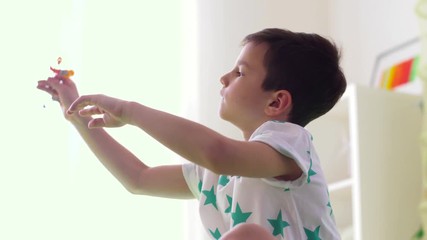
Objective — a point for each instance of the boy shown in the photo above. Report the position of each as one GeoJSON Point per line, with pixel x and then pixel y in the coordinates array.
{"type": "Point", "coordinates": [269, 186]}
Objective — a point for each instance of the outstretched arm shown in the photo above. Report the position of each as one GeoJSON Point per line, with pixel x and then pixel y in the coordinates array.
{"type": "Point", "coordinates": [191, 140]}
{"type": "Point", "coordinates": [136, 177]}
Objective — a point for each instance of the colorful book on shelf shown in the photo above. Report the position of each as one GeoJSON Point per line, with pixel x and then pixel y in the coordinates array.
{"type": "Point", "coordinates": [399, 74]}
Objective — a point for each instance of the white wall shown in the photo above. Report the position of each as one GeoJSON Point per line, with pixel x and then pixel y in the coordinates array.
{"type": "Point", "coordinates": [367, 28]}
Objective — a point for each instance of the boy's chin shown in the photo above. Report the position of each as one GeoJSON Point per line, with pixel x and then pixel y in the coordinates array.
{"type": "Point", "coordinates": [222, 114]}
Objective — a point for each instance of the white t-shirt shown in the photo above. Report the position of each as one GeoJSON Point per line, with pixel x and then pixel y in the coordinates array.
{"type": "Point", "coordinates": [295, 210]}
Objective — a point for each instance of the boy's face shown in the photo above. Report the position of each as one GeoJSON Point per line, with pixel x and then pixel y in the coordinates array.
{"type": "Point", "coordinates": [243, 99]}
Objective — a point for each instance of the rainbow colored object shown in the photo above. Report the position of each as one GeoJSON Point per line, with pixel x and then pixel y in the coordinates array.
{"type": "Point", "coordinates": [62, 73]}
{"type": "Point", "coordinates": [400, 74]}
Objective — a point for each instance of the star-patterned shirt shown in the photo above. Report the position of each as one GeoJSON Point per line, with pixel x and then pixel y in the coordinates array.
{"type": "Point", "coordinates": [295, 210]}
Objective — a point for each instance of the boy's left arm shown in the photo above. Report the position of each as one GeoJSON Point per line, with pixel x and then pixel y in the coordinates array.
{"type": "Point", "coordinates": [198, 143]}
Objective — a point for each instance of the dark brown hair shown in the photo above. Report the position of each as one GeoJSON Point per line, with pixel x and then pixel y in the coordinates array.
{"type": "Point", "coordinates": [306, 65]}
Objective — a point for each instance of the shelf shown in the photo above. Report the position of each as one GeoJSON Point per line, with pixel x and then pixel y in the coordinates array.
{"type": "Point", "coordinates": [369, 148]}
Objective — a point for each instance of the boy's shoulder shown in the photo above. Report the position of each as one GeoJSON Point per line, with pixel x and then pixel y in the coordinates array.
{"type": "Point", "coordinates": [282, 128]}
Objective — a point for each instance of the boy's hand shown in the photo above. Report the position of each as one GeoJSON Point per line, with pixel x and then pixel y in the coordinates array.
{"type": "Point", "coordinates": [111, 110]}
{"type": "Point", "coordinates": [62, 90]}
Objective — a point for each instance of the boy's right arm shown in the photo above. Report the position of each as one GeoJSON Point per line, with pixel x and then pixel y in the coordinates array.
{"type": "Point", "coordinates": [135, 176]}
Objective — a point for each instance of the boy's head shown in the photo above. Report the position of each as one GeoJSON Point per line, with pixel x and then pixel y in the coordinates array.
{"type": "Point", "coordinates": [305, 65]}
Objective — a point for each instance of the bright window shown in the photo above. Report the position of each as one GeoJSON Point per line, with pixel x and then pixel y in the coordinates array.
{"type": "Point", "coordinates": [52, 186]}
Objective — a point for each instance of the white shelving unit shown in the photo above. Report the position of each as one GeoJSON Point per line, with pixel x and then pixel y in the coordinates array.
{"type": "Point", "coordinates": [370, 152]}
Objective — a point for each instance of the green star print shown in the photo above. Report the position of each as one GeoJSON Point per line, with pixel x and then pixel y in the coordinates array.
{"type": "Point", "coordinates": [230, 202]}
{"type": "Point", "coordinates": [310, 170]}
{"type": "Point", "coordinates": [199, 186]}
{"type": "Point", "coordinates": [330, 206]}
{"type": "Point", "coordinates": [223, 180]}
{"type": "Point", "coordinates": [278, 224]}
{"type": "Point", "coordinates": [312, 235]}
{"type": "Point", "coordinates": [329, 203]}
{"type": "Point", "coordinates": [238, 216]}
{"type": "Point", "coordinates": [210, 197]}
{"type": "Point", "coordinates": [216, 234]}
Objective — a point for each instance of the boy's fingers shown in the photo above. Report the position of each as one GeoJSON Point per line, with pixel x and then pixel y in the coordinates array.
{"type": "Point", "coordinates": [55, 97]}
{"type": "Point", "coordinates": [45, 86]}
{"type": "Point", "coordinates": [93, 110]}
{"type": "Point", "coordinates": [79, 104]}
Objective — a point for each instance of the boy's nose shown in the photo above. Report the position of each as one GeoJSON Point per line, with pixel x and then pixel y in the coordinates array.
{"type": "Point", "coordinates": [223, 80]}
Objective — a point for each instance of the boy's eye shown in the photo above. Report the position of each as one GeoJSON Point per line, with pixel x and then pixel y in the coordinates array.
{"type": "Point", "coordinates": [238, 73]}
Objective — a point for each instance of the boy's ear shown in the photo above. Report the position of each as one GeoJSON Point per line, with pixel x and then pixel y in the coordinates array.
{"type": "Point", "coordinates": [279, 104]}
